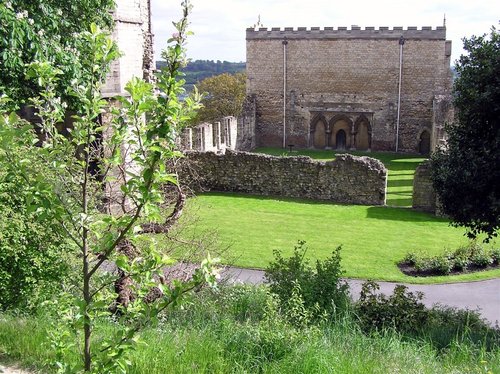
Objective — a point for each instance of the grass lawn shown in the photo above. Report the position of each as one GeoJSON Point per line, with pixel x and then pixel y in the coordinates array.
{"type": "Point", "coordinates": [400, 166]}
{"type": "Point", "coordinates": [373, 239]}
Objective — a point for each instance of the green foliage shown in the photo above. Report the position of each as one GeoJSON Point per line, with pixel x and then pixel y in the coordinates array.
{"type": "Point", "coordinates": [208, 335]}
{"type": "Point", "coordinates": [223, 96]}
{"type": "Point", "coordinates": [32, 267]}
{"type": "Point", "coordinates": [320, 291]}
{"type": "Point", "coordinates": [46, 29]}
{"type": "Point", "coordinates": [128, 148]}
{"type": "Point", "coordinates": [467, 257]}
{"type": "Point", "coordinates": [402, 311]}
{"type": "Point", "coordinates": [466, 174]}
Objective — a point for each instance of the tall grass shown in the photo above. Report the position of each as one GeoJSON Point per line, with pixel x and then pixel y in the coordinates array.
{"type": "Point", "coordinates": [234, 331]}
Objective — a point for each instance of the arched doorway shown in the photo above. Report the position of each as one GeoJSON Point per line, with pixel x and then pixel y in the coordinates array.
{"type": "Point", "coordinates": [340, 140]}
{"type": "Point", "coordinates": [424, 144]}
{"type": "Point", "coordinates": [341, 131]}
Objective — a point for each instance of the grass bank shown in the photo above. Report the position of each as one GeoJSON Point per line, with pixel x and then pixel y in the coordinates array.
{"type": "Point", "coordinates": [400, 167]}
{"type": "Point", "coordinates": [373, 239]}
{"type": "Point", "coordinates": [235, 331]}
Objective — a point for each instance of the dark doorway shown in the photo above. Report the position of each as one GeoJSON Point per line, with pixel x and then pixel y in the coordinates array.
{"type": "Point", "coordinates": [340, 139]}
{"type": "Point", "coordinates": [424, 145]}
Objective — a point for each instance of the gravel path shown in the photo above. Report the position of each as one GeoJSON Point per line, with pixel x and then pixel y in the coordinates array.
{"type": "Point", "coordinates": [12, 369]}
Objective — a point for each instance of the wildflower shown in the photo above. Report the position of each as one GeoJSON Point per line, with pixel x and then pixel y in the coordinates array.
{"type": "Point", "coordinates": [41, 32]}
{"type": "Point", "coordinates": [30, 21]}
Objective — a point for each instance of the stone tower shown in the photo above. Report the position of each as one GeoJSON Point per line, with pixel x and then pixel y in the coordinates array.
{"type": "Point", "coordinates": [134, 38]}
{"type": "Point", "coordinates": [365, 89]}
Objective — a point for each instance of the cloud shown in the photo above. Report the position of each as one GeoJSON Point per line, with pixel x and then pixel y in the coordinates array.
{"type": "Point", "coordinates": [220, 25]}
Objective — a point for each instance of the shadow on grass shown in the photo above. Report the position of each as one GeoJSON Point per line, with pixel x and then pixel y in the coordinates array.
{"type": "Point", "coordinates": [400, 214]}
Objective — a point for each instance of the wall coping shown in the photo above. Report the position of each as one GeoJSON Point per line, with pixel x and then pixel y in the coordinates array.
{"type": "Point", "coordinates": [355, 32]}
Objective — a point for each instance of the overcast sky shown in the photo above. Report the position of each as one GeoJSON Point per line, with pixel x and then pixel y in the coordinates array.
{"type": "Point", "coordinates": [219, 25]}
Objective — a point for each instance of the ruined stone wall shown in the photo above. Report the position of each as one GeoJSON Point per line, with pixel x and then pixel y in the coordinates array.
{"type": "Point", "coordinates": [424, 196]}
{"type": "Point", "coordinates": [350, 72]}
{"type": "Point", "coordinates": [211, 137]}
{"type": "Point", "coordinates": [347, 179]}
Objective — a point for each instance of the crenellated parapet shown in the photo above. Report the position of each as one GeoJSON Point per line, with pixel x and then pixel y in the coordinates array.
{"type": "Point", "coordinates": [355, 32]}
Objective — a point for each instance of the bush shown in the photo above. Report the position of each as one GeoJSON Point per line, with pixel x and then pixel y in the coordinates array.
{"type": "Point", "coordinates": [441, 265]}
{"type": "Point", "coordinates": [480, 257]}
{"type": "Point", "coordinates": [402, 311]}
{"type": "Point", "coordinates": [321, 289]}
{"type": "Point", "coordinates": [446, 326]}
{"type": "Point", "coordinates": [462, 258]}
{"type": "Point", "coordinates": [495, 256]}
{"type": "Point", "coordinates": [32, 266]}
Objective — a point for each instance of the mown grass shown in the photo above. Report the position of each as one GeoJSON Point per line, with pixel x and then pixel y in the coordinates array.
{"type": "Point", "coordinates": [373, 238]}
{"type": "Point", "coordinates": [230, 332]}
{"type": "Point", "coordinates": [400, 167]}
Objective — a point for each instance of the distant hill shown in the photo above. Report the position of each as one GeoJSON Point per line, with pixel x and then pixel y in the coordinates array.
{"type": "Point", "coordinates": [198, 70]}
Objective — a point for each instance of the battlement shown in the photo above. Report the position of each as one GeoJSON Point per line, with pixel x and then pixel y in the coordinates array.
{"type": "Point", "coordinates": [355, 32]}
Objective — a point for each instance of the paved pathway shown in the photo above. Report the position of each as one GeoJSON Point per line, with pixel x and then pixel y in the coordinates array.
{"type": "Point", "coordinates": [483, 296]}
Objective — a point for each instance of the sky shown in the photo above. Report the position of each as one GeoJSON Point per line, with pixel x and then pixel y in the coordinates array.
{"type": "Point", "coordinates": [219, 25]}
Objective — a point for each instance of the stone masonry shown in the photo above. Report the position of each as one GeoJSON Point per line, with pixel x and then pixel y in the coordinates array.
{"type": "Point", "coordinates": [342, 86]}
{"type": "Point", "coordinates": [347, 179]}
{"type": "Point", "coordinates": [133, 35]}
{"type": "Point", "coordinates": [424, 196]}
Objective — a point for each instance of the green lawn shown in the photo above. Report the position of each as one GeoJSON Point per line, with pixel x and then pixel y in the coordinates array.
{"type": "Point", "coordinates": [400, 166]}
{"type": "Point", "coordinates": [374, 239]}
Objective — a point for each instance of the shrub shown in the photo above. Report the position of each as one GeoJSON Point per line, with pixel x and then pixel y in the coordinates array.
{"type": "Point", "coordinates": [321, 289]}
{"type": "Point", "coordinates": [402, 311]}
{"type": "Point", "coordinates": [459, 260]}
{"type": "Point", "coordinates": [446, 326]}
{"type": "Point", "coordinates": [495, 256]}
{"type": "Point", "coordinates": [441, 265]}
{"type": "Point", "coordinates": [32, 266]}
{"type": "Point", "coordinates": [480, 257]}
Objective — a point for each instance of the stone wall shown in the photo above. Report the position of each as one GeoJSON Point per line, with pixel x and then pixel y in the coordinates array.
{"type": "Point", "coordinates": [353, 74]}
{"type": "Point", "coordinates": [211, 137]}
{"type": "Point", "coordinates": [347, 179]}
{"type": "Point", "coordinates": [424, 196]}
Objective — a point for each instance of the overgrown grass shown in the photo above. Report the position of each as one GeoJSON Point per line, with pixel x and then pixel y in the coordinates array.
{"type": "Point", "coordinates": [234, 331]}
{"type": "Point", "coordinates": [373, 239]}
{"type": "Point", "coordinates": [400, 166]}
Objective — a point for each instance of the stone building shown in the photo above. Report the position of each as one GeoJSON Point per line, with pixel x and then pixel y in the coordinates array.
{"type": "Point", "coordinates": [133, 35]}
{"type": "Point", "coordinates": [355, 89]}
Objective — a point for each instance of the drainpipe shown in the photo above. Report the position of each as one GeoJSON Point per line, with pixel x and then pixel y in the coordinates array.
{"type": "Point", "coordinates": [401, 43]}
{"type": "Point", "coordinates": [285, 42]}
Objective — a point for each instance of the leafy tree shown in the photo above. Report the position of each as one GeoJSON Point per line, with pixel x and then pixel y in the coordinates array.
{"type": "Point", "coordinates": [466, 174]}
{"type": "Point", "coordinates": [223, 96]}
{"type": "Point", "coordinates": [134, 152]}
{"type": "Point", "coordinates": [32, 30]}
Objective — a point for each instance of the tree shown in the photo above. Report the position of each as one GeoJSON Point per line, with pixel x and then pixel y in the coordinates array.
{"type": "Point", "coordinates": [30, 30]}
{"type": "Point", "coordinates": [466, 174]}
{"type": "Point", "coordinates": [223, 96]}
{"type": "Point", "coordinates": [134, 151]}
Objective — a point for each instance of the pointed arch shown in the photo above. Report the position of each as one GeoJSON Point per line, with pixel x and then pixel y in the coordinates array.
{"type": "Point", "coordinates": [318, 131]}
{"type": "Point", "coordinates": [340, 132]}
{"type": "Point", "coordinates": [424, 142]}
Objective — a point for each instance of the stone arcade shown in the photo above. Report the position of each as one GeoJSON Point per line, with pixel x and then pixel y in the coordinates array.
{"type": "Point", "coordinates": [350, 89]}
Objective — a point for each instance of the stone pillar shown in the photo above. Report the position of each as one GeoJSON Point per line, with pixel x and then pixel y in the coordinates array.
{"type": "Point", "coordinates": [424, 196]}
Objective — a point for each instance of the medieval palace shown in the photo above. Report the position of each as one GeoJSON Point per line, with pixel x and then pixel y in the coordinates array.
{"type": "Point", "coordinates": [354, 89]}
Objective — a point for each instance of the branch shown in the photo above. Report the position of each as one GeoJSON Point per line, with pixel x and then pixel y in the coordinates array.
{"type": "Point", "coordinates": [164, 228]}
